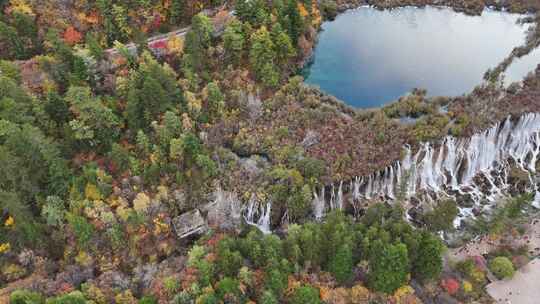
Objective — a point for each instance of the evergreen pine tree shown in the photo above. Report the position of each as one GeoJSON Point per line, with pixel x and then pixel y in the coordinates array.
{"type": "Point", "coordinates": [389, 267]}
{"type": "Point", "coordinates": [427, 265]}
{"type": "Point", "coordinates": [295, 21]}
{"type": "Point", "coordinates": [341, 265]}
{"type": "Point", "coordinates": [176, 12]}
{"type": "Point", "coordinates": [198, 41]}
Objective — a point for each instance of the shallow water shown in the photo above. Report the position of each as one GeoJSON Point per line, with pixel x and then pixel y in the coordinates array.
{"type": "Point", "coordinates": [368, 57]}
{"type": "Point", "coordinates": [520, 67]}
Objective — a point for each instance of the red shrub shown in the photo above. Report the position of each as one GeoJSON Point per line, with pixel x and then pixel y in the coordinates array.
{"type": "Point", "coordinates": [450, 285]}
{"type": "Point", "coordinates": [156, 23]}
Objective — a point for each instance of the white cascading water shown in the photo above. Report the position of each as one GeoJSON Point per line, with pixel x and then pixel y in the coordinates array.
{"type": "Point", "coordinates": [318, 204]}
{"type": "Point", "coordinates": [258, 215]}
{"type": "Point", "coordinates": [453, 167]}
{"type": "Point", "coordinates": [536, 201]}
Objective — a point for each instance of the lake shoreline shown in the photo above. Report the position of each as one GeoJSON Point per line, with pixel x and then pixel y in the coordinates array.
{"type": "Point", "coordinates": [479, 100]}
{"type": "Point", "coordinates": [473, 8]}
{"type": "Point", "coordinates": [370, 68]}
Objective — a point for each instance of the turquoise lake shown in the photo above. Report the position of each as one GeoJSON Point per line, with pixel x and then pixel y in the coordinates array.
{"type": "Point", "coordinates": [367, 57]}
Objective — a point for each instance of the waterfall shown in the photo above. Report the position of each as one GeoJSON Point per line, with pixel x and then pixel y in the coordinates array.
{"type": "Point", "coordinates": [453, 167]}
{"type": "Point", "coordinates": [390, 183]}
{"type": "Point", "coordinates": [339, 197]}
{"type": "Point", "coordinates": [264, 221]}
{"type": "Point", "coordinates": [536, 201]}
{"type": "Point", "coordinates": [258, 215]}
{"type": "Point", "coordinates": [318, 204]}
{"type": "Point", "coordinates": [452, 161]}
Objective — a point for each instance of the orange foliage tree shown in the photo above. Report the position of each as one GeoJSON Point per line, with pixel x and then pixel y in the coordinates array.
{"type": "Point", "coordinates": [72, 36]}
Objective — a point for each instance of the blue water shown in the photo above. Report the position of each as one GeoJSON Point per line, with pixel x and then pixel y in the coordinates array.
{"type": "Point", "coordinates": [368, 57]}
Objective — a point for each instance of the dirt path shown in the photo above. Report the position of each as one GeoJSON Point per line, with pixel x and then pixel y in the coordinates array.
{"type": "Point", "coordinates": [523, 288]}
{"type": "Point", "coordinates": [483, 245]}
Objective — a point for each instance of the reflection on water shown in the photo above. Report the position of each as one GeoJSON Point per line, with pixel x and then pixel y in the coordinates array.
{"type": "Point", "coordinates": [368, 57]}
{"type": "Point", "coordinates": [520, 67]}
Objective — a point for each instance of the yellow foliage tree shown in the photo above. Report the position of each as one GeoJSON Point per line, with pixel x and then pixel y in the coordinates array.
{"type": "Point", "coordinates": [359, 294]}
{"type": "Point", "coordinates": [91, 18]}
{"type": "Point", "coordinates": [467, 286]}
{"type": "Point", "coordinates": [187, 123]}
{"type": "Point", "coordinates": [403, 291]}
{"type": "Point", "coordinates": [194, 104]}
{"type": "Point", "coordinates": [4, 247]}
{"type": "Point", "coordinates": [91, 192]}
{"type": "Point", "coordinates": [175, 44]}
{"type": "Point", "coordinates": [93, 292]}
{"type": "Point", "coordinates": [13, 271]}
{"type": "Point", "coordinates": [20, 6]}
{"type": "Point", "coordinates": [141, 203]}
{"type": "Point", "coordinates": [83, 258]}
{"type": "Point", "coordinates": [316, 15]}
{"type": "Point", "coordinates": [123, 212]}
{"type": "Point", "coordinates": [9, 222]}
{"type": "Point", "coordinates": [125, 297]}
